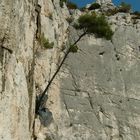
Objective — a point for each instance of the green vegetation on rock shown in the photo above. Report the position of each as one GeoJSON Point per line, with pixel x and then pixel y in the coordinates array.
{"type": "Point", "coordinates": [73, 48]}
{"type": "Point", "coordinates": [94, 24]}
{"type": "Point", "coordinates": [123, 7]}
{"type": "Point", "coordinates": [45, 43]}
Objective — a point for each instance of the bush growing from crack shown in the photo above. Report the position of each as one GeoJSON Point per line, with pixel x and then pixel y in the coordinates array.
{"type": "Point", "coordinates": [45, 43]}
{"type": "Point", "coordinates": [73, 48]}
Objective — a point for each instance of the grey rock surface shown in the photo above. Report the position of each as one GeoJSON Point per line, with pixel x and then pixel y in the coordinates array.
{"type": "Point", "coordinates": [100, 89]}
{"type": "Point", "coordinates": [96, 94]}
{"type": "Point", "coordinates": [25, 66]}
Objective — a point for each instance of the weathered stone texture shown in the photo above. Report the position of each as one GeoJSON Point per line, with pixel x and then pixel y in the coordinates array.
{"type": "Point", "coordinates": [17, 29]}
{"type": "Point", "coordinates": [100, 88]}
{"type": "Point", "coordinates": [96, 94]}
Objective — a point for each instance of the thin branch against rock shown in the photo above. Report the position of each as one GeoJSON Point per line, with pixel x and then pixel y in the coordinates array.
{"type": "Point", "coordinates": [39, 102]}
{"type": "Point", "coordinates": [85, 23]}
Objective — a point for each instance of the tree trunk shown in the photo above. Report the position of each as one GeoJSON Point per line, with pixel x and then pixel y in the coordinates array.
{"type": "Point", "coordinates": [38, 103]}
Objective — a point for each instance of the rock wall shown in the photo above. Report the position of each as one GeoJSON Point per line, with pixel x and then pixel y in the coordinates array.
{"type": "Point", "coordinates": [95, 96]}
{"type": "Point", "coordinates": [25, 66]}
{"type": "Point", "coordinates": [17, 39]}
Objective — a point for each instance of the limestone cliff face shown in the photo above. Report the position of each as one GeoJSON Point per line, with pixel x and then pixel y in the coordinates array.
{"type": "Point", "coordinates": [95, 96]}
{"type": "Point", "coordinates": [17, 41]}
{"type": "Point", "coordinates": [99, 89]}
{"type": "Point", "coordinates": [25, 67]}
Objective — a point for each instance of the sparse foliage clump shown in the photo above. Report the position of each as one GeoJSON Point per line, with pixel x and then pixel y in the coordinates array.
{"type": "Point", "coordinates": [73, 48]}
{"type": "Point", "coordinates": [45, 43]}
{"type": "Point", "coordinates": [94, 6]}
{"type": "Point", "coordinates": [94, 24]}
{"type": "Point", "coordinates": [124, 7]}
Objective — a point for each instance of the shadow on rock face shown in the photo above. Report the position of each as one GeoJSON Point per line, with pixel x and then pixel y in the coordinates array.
{"type": "Point", "coordinates": [45, 116]}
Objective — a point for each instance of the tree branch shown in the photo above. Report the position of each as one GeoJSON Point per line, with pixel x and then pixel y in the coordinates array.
{"type": "Point", "coordinates": [38, 103]}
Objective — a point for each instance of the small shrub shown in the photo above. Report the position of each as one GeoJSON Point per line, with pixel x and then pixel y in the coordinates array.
{"type": "Point", "coordinates": [73, 48]}
{"type": "Point", "coordinates": [45, 43]}
{"type": "Point", "coordinates": [94, 6]}
{"type": "Point", "coordinates": [71, 5]}
{"type": "Point", "coordinates": [124, 7]}
{"type": "Point", "coordinates": [94, 24]}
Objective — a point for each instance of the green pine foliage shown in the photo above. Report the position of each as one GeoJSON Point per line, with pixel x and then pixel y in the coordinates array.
{"type": "Point", "coordinates": [94, 24]}
{"type": "Point", "coordinates": [45, 43]}
{"type": "Point", "coordinates": [73, 48]}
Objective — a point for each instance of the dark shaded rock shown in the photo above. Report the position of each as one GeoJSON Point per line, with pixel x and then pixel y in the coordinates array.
{"type": "Point", "coordinates": [45, 116]}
